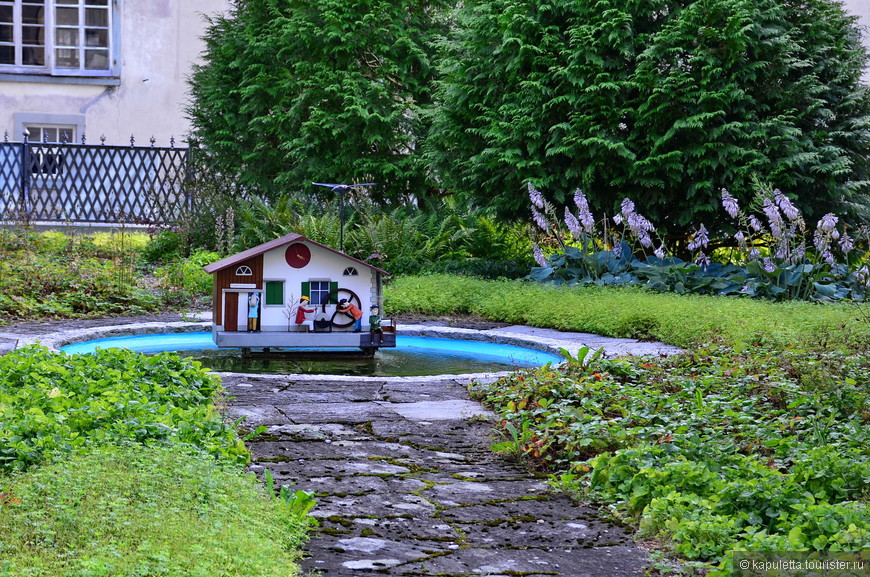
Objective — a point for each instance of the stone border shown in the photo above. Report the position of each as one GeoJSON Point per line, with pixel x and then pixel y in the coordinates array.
{"type": "Point", "coordinates": [545, 340]}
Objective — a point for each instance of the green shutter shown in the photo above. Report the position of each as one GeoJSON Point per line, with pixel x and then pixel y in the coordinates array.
{"type": "Point", "coordinates": [333, 286]}
{"type": "Point", "coordinates": [274, 292]}
{"type": "Point", "coordinates": [306, 289]}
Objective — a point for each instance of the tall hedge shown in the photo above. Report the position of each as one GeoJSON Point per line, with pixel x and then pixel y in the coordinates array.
{"type": "Point", "coordinates": [662, 101]}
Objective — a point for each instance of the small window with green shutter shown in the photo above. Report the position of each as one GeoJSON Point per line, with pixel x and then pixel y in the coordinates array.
{"type": "Point", "coordinates": [275, 292]}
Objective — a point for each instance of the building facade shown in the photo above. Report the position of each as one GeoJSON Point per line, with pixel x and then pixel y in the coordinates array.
{"type": "Point", "coordinates": [99, 68]}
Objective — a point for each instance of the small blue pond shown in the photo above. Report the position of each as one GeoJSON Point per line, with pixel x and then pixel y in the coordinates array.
{"type": "Point", "coordinates": [413, 356]}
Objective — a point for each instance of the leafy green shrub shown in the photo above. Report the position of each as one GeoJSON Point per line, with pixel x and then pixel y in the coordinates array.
{"type": "Point", "coordinates": [185, 280]}
{"type": "Point", "coordinates": [163, 247]}
{"type": "Point", "coordinates": [37, 285]}
{"type": "Point", "coordinates": [52, 402]}
{"type": "Point", "coordinates": [721, 449]}
{"type": "Point", "coordinates": [132, 510]}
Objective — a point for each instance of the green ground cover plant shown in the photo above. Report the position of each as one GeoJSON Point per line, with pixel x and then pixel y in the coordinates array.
{"type": "Point", "coordinates": [52, 402]}
{"type": "Point", "coordinates": [632, 312]}
{"type": "Point", "coordinates": [66, 274]}
{"type": "Point", "coordinates": [133, 510]}
{"type": "Point", "coordinates": [722, 449]}
{"type": "Point", "coordinates": [755, 438]}
{"type": "Point", "coordinates": [118, 464]}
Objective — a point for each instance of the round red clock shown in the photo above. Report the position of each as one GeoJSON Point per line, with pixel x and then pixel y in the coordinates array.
{"type": "Point", "coordinates": [297, 255]}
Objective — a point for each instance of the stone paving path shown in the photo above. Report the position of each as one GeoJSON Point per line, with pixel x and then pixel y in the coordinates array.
{"type": "Point", "coordinates": [406, 483]}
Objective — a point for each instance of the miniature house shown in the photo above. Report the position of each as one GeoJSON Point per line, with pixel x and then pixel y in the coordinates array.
{"type": "Point", "coordinates": [281, 272]}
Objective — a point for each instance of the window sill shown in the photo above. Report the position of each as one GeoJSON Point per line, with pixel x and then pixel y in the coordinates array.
{"type": "Point", "coordinates": [49, 79]}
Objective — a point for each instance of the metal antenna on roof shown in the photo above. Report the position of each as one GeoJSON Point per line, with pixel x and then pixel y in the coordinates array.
{"type": "Point", "coordinates": [341, 189]}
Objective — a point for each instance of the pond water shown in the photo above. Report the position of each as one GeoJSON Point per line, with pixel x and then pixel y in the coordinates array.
{"type": "Point", "coordinates": [413, 356]}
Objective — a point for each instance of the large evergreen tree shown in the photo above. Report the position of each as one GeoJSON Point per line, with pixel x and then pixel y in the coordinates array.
{"type": "Point", "coordinates": [663, 101]}
{"type": "Point", "coordinates": [295, 91]}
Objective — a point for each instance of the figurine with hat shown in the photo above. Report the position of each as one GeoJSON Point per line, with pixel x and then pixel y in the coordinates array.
{"type": "Point", "coordinates": [301, 311]}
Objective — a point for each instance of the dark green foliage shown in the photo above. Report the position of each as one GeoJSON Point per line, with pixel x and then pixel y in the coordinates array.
{"type": "Point", "coordinates": [663, 101]}
{"type": "Point", "coordinates": [51, 402]}
{"type": "Point", "coordinates": [446, 237]}
{"type": "Point", "coordinates": [722, 449]}
{"type": "Point", "coordinates": [295, 91]}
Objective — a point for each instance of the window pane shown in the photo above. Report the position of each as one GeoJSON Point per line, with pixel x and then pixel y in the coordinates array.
{"type": "Point", "coordinates": [76, 2]}
{"type": "Point", "coordinates": [5, 13]}
{"type": "Point", "coordinates": [96, 37]}
{"type": "Point", "coordinates": [33, 56]}
{"type": "Point", "coordinates": [97, 17]}
{"type": "Point", "coordinates": [33, 15]}
{"type": "Point", "coordinates": [96, 2]}
{"type": "Point", "coordinates": [66, 37]}
{"type": "Point", "coordinates": [7, 55]}
{"type": "Point", "coordinates": [5, 33]}
{"type": "Point", "coordinates": [65, 134]}
{"type": "Point", "coordinates": [67, 16]}
{"type": "Point", "coordinates": [97, 59]}
{"type": "Point", "coordinates": [67, 58]}
{"type": "Point", "coordinates": [33, 35]}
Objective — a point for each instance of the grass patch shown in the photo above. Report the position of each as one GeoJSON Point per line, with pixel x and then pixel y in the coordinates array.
{"type": "Point", "coordinates": [681, 320]}
{"type": "Point", "coordinates": [136, 510]}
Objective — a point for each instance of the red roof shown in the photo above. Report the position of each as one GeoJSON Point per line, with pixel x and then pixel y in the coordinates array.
{"type": "Point", "coordinates": [277, 243]}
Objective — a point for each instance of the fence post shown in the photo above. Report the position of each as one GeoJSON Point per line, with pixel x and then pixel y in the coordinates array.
{"type": "Point", "coordinates": [25, 178]}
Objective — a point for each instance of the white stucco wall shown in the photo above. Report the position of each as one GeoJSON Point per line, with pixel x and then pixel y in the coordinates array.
{"type": "Point", "coordinates": [160, 40]}
{"type": "Point", "coordinates": [325, 266]}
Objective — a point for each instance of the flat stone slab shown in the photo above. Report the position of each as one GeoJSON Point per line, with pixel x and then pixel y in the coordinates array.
{"type": "Point", "coordinates": [411, 487]}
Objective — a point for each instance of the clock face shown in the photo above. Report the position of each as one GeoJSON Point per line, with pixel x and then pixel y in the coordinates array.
{"type": "Point", "coordinates": [297, 255]}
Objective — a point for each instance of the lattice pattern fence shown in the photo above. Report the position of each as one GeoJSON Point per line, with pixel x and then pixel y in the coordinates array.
{"type": "Point", "coordinates": [93, 183]}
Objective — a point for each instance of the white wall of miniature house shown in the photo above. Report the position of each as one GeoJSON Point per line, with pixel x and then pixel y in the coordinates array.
{"type": "Point", "coordinates": [325, 266]}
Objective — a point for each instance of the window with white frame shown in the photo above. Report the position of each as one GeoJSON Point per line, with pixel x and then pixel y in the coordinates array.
{"type": "Point", "coordinates": [48, 160]}
{"type": "Point", "coordinates": [60, 37]}
{"type": "Point", "coordinates": [54, 134]}
{"type": "Point", "coordinates": [319, 291]}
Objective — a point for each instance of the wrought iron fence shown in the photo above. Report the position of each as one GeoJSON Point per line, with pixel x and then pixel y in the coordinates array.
{"type": "Point", "coordinates": [93, 183]}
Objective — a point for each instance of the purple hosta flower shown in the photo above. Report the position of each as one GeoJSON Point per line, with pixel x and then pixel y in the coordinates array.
{"type": "Point", "coordinates": [700, 240]}
{"type": "Point", "coordinates": [703, 260]}
{"type": "Point", "coordinates": [644, 238]}
{"type": "Point", "coordinates": [586, 218]}
{"type": "Point", "coordinates": [862, 275]}
{"type": "Point", "coordinates": [740, 237]}
{"type": "Point", "coordinates": [730, 204]}
{"type": "Point", "coordinates": [768, 264]}
{"type": "Point", "coordinates": [540, 219]}
{"type": "Point", "coordinates": [788, 209]}
{"type": "Point", "coordinates": [536, 197]}
{"type": "Point", "coordinates": [773, 217]}
{"type": "Point", "coordinates": [799, 252]}
{"type": "Point", "coordinates": [754, 254]}
{"type": "Point", "coordinates": [846, 243]}
{"type": "Point", "coordinates": [573, 224]}
{"type": "Point", "coordinates": [660, 252]}
{"type": "Point", "coordinates": [781, 251]}
{"type": "Point", "coordinates": [617, 249]}
{"type": "Point", "coordinates": [828, 223]}
{"type": "Point", "coordinates": [627, 207]}
{"type": "Point", "coordinates": [539, 255]}
{"type": "Point", "coordinates": [617, 218]}
{"type": "Point", "coordinates": [755, 224]}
